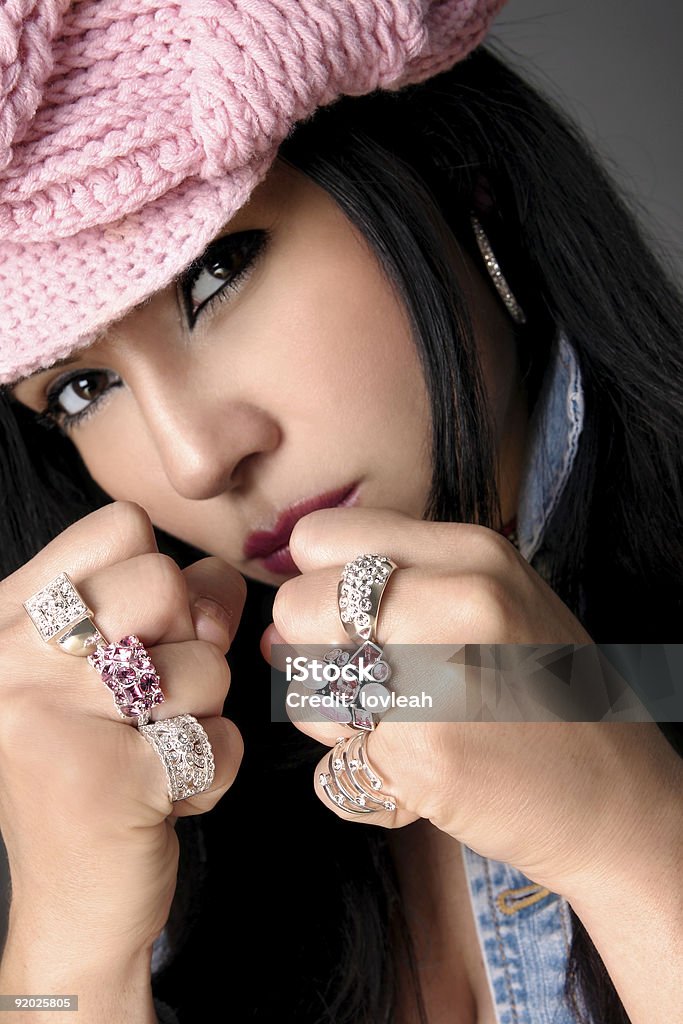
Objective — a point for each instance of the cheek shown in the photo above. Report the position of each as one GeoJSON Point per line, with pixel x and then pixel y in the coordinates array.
{"type": "Point", "coordinates": [122, 463]}
{"type": "Point", "coordinates": [354, 350]}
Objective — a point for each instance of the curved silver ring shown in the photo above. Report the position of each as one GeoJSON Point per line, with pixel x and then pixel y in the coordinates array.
{"type": "Point", "coordinates": [186, 754]}
{"type": "Point", "coordinates": [350, 783]}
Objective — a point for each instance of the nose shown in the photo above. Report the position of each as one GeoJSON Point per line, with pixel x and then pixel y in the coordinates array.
{"type": "Point", "coordinates": [208, 441]}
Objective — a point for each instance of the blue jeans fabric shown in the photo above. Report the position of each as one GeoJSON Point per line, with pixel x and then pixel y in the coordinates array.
{"type": "Point", "coordinates": [525, 930]}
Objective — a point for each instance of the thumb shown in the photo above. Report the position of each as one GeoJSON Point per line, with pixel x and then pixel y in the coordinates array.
{"type": "Point", "coordinates": [216, 593]}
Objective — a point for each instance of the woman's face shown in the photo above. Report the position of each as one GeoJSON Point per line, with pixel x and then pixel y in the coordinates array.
{"type": "Point", "coordinates": [223, 408]}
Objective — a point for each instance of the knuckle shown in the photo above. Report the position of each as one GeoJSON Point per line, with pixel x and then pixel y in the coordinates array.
{"type": "Point", "coordinates": [27, 729]}
{"type": "Point", "coordinates": [212, 662]}
{"type": "Point", "coordinates": [432, 749]}
{"type": "Point", "coordinates": [168, 578]}
{"type": "Point", "coordinates": [284, 609]}
{"type": "Point", "coordinates": [14, 721]}
{"type": "Point", "coordinates": [492, 547]}
{"type": "Point", "coordinates": [132, 522]}
{"type": "Point", "coordinates": [491, 605]}
{"type": "Point", "coordinates": [234, 743]}
{"type": "Point", "coordinates": [499, 550]}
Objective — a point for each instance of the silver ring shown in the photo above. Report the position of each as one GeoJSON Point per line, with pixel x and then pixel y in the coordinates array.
{"type": "Point", "coordinates": [62, 617]}
{"type": "Point", "coordinates": [185, 752]}
{"type": "Point", "coordinates": [350, 783]}
{"type": "Point", "coordinates": [359, 594]}
{"type": "Point", "coordinates": [362, 676]}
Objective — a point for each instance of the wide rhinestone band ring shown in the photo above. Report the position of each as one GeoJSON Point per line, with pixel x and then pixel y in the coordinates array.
{"type": "Point", "coordinates": [185, 752]}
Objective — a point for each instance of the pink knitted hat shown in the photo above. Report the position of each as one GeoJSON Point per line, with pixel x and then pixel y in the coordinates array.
{"type": "Point", "coordinates": [131, 131]}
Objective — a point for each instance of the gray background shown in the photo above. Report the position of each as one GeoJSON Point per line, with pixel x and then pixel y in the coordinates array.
{"type": "Point", "coordinates": [614, 65]}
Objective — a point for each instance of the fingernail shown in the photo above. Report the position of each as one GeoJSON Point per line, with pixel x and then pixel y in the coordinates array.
{"type": "Point", "coordinates": [212, 622]}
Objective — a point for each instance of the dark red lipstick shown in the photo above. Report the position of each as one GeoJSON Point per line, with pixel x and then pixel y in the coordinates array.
{"type": "Point", "coordinates": [271, 545]}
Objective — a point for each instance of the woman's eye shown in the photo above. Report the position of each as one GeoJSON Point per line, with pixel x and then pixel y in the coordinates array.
{"type": "Point", "coordinates": [70, 400]}
{"type": "Point", "coordinates": [222, 265]}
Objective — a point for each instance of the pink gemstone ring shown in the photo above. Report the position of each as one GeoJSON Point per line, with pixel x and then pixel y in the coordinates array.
{"type": "Point", "coordinates": [356, 681]}
{"type": "Point", "coordinates": [127, 669]}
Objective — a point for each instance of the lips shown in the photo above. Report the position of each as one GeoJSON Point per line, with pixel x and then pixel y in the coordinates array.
{"type": "Point", "coordinates": [263, 543]}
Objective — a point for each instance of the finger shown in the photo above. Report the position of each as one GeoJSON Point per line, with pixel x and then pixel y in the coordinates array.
{"type": "Point", "coordinates": [145, 775]}
{"type": "Point", "coordinates": [334, 536]}
{"type": "Point", "coordinates": [271, 639]}
{"type": "Point", "coordinates": [305, 609]}
{"type": "Point", "coordinates": [214, 581]}
{"type": "Point", "coordinates": [195, 679]}
{"type": "Point", "coordinates": [110, 534]}
{"type": "Point", "coordinates": [146, 595]}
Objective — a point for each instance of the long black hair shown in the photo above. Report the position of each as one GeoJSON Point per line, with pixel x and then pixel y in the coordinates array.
{"type": "Point", "coordinates": [405, 167]}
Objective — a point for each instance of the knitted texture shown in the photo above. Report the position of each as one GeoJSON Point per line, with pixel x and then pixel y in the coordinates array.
{"type": "Point", "coordinates": [131, 131]}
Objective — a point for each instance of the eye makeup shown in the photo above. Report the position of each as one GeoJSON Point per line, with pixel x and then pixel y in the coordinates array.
{"type": "Point", "coordinates": [213, 277]}
{"type": "Point", "coordinates": [220, 270]}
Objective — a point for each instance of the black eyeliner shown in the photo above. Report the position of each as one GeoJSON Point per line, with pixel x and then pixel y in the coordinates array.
{"type": "Point", "coordinates": [250, 244]}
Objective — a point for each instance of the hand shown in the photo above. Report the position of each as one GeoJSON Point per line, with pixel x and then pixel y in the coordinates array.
{"type": "Point", "coordinates": [544, 797]}
{"type": "Point", "coordinates": [84, 808]}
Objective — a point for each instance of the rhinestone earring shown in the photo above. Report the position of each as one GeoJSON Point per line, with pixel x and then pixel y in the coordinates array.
{"type": "Point", "coordinates": [495, 273]}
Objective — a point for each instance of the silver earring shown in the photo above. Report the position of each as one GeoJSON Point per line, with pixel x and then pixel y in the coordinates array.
{"type": "Point", "coordinates": [496, 274]}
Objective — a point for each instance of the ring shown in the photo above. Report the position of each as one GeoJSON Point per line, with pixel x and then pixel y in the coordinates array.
{"type": "Point", "coordinates": [350, 782]}
{"type": "Point", "coordinates": [360, 685]}
{"type": "Point", "coordinates": [127, 669]}
{"type": "Point", "coordinates": [62, 618]}
{"type": "Point", "coordinates": [185, 752]}
{"type": "Point", "coordinates": [359, 594]}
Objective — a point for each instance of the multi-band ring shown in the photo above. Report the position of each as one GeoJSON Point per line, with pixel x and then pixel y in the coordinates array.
{"type": "Point", "coordinates": [64, 620]}
{"type": "Point", "coordinates": [350, 782]}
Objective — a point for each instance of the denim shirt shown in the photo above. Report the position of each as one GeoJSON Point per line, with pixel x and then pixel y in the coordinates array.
{"type": "Point", "coordinates": [525, 930]}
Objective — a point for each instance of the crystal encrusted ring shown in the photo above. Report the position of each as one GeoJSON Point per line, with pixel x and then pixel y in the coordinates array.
{"type": "Point", "coordinates": [359, 594]}
{"type": "Point", "coordinates": [62, 617]}
{"type": "Point", "coordinates": [127, 669]}
{"type": "Point", "coordinates": [185, 752]}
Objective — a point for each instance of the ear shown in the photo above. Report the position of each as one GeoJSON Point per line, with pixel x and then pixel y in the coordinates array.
{"type": "Point", "coordinates": [482, 196]}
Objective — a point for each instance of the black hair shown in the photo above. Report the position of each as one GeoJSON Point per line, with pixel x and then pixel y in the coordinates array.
{"type": "Point", "coordinates": [404, 167]}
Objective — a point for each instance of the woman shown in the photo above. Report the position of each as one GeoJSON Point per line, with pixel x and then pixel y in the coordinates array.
{"type": "Point", "coordinates": [363, 355]}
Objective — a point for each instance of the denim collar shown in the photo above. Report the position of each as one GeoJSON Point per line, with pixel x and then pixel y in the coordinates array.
{"type": "Point", "coordinates": [554, 429]}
